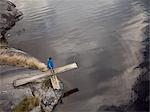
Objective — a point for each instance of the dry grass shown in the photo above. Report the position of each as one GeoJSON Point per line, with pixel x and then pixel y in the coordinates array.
{"type": "Point", "coordinates": [27, 104]}
{"type": "Point", "coordinates": [19, 58]}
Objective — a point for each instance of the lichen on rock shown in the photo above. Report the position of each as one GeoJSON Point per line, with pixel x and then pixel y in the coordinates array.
{"type": "Point", "coordinates": [48, 96]}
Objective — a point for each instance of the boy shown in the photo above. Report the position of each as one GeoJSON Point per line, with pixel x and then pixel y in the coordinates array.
{"type": "Point", "coordinates": [50, 64]}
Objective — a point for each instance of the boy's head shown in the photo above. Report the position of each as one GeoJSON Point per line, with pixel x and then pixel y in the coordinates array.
{"type": "Point", "coordinates": [49, 58]}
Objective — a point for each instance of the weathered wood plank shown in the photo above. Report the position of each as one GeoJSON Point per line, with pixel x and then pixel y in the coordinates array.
{"type": "Point", "coordinates": [22, 81]}
{"type": "Point", "coordinates": [55, 82]}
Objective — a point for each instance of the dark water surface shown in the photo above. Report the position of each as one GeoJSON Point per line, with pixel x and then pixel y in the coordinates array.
{"type": "Point", "coordinates": [102, 36]}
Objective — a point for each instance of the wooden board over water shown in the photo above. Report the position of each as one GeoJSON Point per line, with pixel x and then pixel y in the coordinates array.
{"type": "Point", "coordinates": [65, 68]}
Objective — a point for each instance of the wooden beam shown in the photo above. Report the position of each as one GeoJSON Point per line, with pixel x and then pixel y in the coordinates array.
{"type": "Point", "coordinates": [65, 68]}
{"type": "Point", "coordinates": [55, 82]}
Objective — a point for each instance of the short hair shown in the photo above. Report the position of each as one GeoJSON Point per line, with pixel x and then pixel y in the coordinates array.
{"type": "Point", "coordinates": [50, 58]}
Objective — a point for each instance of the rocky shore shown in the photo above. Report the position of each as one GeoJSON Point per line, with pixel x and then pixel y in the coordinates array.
{"type": "Point", "coordinates": [9, 15]}
{"type": "Point", "coordinates": [34, 97]}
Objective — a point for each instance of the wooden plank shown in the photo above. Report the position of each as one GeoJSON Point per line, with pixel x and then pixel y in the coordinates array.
{"type": "Point", "coordinates": [22, 81]}
{"type": "Point", "coordinates": [55, 82]}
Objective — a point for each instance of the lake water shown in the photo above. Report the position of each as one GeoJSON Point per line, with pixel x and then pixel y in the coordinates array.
{"type": "Point", "coordinates": [102, 36]}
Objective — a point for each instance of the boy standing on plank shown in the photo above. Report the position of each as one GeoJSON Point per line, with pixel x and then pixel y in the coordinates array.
{"type": "Point", "coordinates": [53, 78]}
{"type": "Point", "coordinates": [50, 65]}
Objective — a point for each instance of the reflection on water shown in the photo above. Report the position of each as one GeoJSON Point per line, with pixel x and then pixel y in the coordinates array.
{"type": "Point", "coordinates": [103, 37]}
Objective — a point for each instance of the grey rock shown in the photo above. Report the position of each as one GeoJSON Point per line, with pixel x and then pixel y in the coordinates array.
{"type": "Point", "coordinates": [9, 15]}
{"type": "Point", "coordinates": [48, 96]}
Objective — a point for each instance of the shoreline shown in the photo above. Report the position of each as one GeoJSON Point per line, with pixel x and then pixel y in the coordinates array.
{"type": "Point", "coordinates": [32, 97]}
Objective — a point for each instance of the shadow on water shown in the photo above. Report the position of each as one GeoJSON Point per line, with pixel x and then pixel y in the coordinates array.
{"type": "Point", "coordinates": [72, 91]}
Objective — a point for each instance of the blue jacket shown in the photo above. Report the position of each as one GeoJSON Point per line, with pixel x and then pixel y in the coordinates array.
{"type": "Point", "coordinates": [50, 64]}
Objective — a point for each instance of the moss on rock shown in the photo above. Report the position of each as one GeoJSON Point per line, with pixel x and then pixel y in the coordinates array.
{"type": "Point", "coordinates": [27, 104]}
